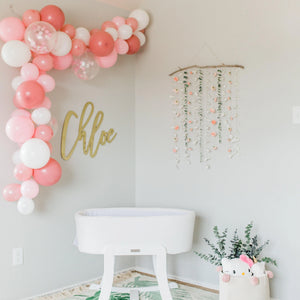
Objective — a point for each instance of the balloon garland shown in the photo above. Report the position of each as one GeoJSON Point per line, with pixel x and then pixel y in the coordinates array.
{"type": "Point", "coordinates": [41, 41]}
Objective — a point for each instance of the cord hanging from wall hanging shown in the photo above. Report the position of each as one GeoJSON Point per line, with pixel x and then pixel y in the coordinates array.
{"type": "Point", "coordinates": [205, 112]}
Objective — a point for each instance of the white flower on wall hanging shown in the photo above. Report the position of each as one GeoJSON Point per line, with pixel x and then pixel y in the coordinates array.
{"type": "Point", "coordinates": [205, 109]}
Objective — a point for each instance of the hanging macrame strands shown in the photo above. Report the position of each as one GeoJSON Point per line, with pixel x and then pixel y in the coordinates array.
{"type": "Point", "coordinates": [205, 112]}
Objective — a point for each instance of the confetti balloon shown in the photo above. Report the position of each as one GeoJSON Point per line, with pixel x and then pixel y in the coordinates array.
{"type": "Point", "coordinates": [85, 66]}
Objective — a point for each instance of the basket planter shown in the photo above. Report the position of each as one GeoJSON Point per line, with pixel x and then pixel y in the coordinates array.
{"type": "Point", "coordinates": [238, 288]}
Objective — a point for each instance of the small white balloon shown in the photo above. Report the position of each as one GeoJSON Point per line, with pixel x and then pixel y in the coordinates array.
{"type": "Point", "coordinates": [83, 34]}
{"type": "Point", "coordinates": [16, 157]}
{"type": "Point", "coordinates": [35, 153]}
{"type": "Point", "coordinates": [16, 82]}
{"type": "Point", "coordinates": [15, 53]}
{"type": "Point", "coordinates": [113, 32]}
{"type": "Point", "coordinates": [41, 116]}
{"type": "Point", "coordinates": [141, 16]}
{"type": "Point", "coordinates": [141, 37]}
{"type": "Point", "coordinates": [63, 44]}
{"type": "Point", "coordinates": [125, 32]}
{"type": "Point", "coordinates": [25, 206]}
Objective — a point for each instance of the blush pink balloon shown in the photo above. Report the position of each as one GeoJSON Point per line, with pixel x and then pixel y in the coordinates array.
{"type": "Point", "coordinates": [21, 113]}
{"type": "Point", "coordinates": [121, 46]}
{"type": "Point", "coordinates": [31, 16]}
{"type": "Point", "coordinates": [19, 129]}
{"type": "Point", "coordinates": [69, 30]}
{"type": "Point", "coordinates": [49, 174]}
{"type": "Point", "coordinates": [30, 71]}
{"type": "Point", "coordinates": [107, 61]}
{"type": "Point", "coordinates": [46, 103]}
{"type": "Point", "coordinates": [118, 21]}
{"type": "Point", "coordinates": [62, 62]}
{"type": "Point", "coordinates": [47, 82]}
{"type": "Point", "coordinates": [78, 47]}
{"type": "Point", "coordinates": [30, 94]}
{"type": "Point", "coordinates": [22, 173]}
{"type": "Point", "coordinates": [133, 23]}
{"type": "Point", "coordinates": [12, 29]}
{"type": "Point", "coordinates": [12, 192]}
{"type": "Point", "coordinates": [108, 24]}
{"type": "Point", "coordinates": [29, 189]}
{"type": "Point", "coordinates": [43, 132]}
{"type": "Point", "coordinates": [44, 62]}
{"type": "Point", "coordinates": [53, 15]}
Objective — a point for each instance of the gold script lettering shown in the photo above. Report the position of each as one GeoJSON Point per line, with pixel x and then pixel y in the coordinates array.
{"type": "Point", "coordinates": [85, 117]}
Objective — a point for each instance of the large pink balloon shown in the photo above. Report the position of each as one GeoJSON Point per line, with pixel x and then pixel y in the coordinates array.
{"type": "Point", "coordinates": [30, 71]}
{"type": "Point", "coordinates": [30, 94]}
{"type": "Point", "coordinates": [12, 29]}
{"type": "Point", "coordinates": [22, 172]}
{"type": "Point", "coordinates": [44, 62]}
{"type": "Point", "coordinates": [101, 43]}
{"type": "Point", "coordinates": [19, 129]}
{"type": "Point", "coordinates": [31, 16]}
{"type": "Point", "coordinates": [49, 174]}
{"type": "Point", "coordinates": [47, 82]}
{"type": "Point", "coordinates": [12, 192]}
{"type": "Point", "coordinates": [29, 189]}
{"type": "Point", "coordinates": [107, 61]}
{"type": "Point", "coordinates": [43, 132]}
{"type": "Point", "coordinates": [53, 15]}
{"type": "Point", "coordinates": [62, 62]}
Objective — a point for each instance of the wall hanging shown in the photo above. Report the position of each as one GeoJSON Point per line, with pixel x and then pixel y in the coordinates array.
{"type": "Point", "coordinates": [36, 44]}
{"type": "Point", "coordinates": [205, 109]}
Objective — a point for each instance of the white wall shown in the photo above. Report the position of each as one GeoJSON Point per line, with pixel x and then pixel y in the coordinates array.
{"type": "Point", "coordinates": [262, 184]}
{"type": "Point", "coordinates": [50, 259]}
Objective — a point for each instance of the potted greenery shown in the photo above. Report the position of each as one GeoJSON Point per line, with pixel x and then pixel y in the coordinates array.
{"type": "Point", "coordinates": [242, 269]}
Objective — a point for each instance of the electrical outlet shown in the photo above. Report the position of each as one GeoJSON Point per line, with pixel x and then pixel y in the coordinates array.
{"type": "Point", "coordinates": [17, 256]}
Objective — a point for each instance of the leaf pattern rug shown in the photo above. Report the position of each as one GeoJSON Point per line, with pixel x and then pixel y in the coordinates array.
{"type": "Point", "coordinates": [131, 279]}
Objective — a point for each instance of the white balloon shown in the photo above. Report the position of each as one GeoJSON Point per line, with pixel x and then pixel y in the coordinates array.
{"type": "Point", "coordinates": [15, 53]}
{"type": "Point", "coordinates": [25, 206]}
{"type": "Point", "coordinates": [35, 153]}
{"type": "Point", "coordinates": [141, 37]}
{"type": "Point", "coordinates": [16, 82]}
{"type": "Point", "coordinates": [141, 16]}
{"type": "Point", "coordinates": [113, 32]}
{"type": "Point", "coordinates": [41, 116]}
{"type": "Point", "coordinates": [16, 157]}
{"type": "Point", "coordinates": [125, 32]}
{"type": "Point", "coordinates": [83, 34]}
{"type": "Point", "coordinates": [63, 44]}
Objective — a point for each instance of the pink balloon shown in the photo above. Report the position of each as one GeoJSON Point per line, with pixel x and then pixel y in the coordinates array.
{"type": "Point", "coordinates": [19, 129]}
{"type": "Point", "coordinates": [30, 94]}
{"type": "Point", "coordinates": [31, 16]}
{"type": "Point", "coordinates": [101, 43]}
{"type": "Point", "coordinates": [134, 45]}
{"type": "Point", "coordinates": [118, 21]}
{"type": "Point", "coordinates": [62, 62]}
{"type": "Point", "coordinates": [12, 192]}
{"type": "Point", "coordinates": [12, 29]}
{"type": "Point", "coordinates": [46, 103]}
{"type": "Point", "coordinates": [69, 30]}
{"type": "Point", "coordinates": [21, 172]}
{"type": "Point", "coordinates": [43, 132]}
{"type": "Point", "coordinates": [78, 47]}
{"type": "Point", "coordinates": [121, 46]}
{"type": "Point", "coordinates": [53, 15]}
{"type": "Point", "coordinates": [108, 24]}
{"type": "Point", "coordinates": [94, 30]}
{"type": "Point", "coordinates": [44, 62]}
{"type": "Point", "coordinates": [107, 61]}
{"type": "Point", "coordinates": [47, 82]}
{"type": "Point", "coordinates": [30, 71]}
{"type": "Point", "coordinates": [21, 113]}
{"type": "Point", "coordinates": [133, 23]}
{"type": "Point", "coordinates": [49, 174]}
{"type": "Point", "coordinates": [29, 189]}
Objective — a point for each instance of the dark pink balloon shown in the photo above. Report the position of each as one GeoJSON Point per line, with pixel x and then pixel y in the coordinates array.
{"type": "Point", "coordinates": [30, 94]}
{"type": "Point", "coordinates": [133, 23]}
{"type": "Point", "coordinates": [94, 30]}
{"type": "Point", "coordinates": [53, 15]}
{"type": "Point", "coordinates": [133, 44]}
{"type": "Point", "coordinates": [49, 174]}
{"type": "Point", "coordinates": [78, 47]}
{"type": "Point", "coordinates": [12, 192]}
{"type": "Point", "coordinates": [43, 132]}
{"type": "Point", "coordinates": [44, 62]}
{"type": "Point", "coordinates": [31, 16]}
{"type": "Point", "coordinates": [101, 43]}
{"type": "Point", "coordinates": [22, 173]}
{"type": "Point", "coordinates": [69, 30]}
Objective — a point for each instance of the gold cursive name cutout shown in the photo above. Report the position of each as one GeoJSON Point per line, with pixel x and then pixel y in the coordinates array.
{"type": "Point", "coordinates": [87, 144]}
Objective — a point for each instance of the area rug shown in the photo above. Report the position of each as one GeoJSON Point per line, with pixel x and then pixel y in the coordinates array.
{"type": "Point", "coordinates": [131, 279]}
